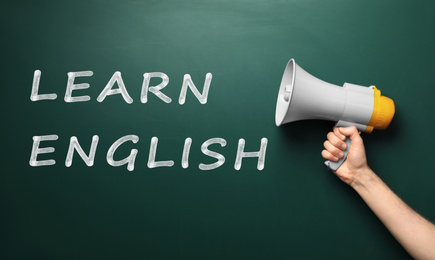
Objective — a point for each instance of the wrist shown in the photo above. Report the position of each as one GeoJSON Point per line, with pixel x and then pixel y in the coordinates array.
{"type": "Point", "coordinates": [364, 179]}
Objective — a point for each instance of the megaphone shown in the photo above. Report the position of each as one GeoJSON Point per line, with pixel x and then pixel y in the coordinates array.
{"type": "Point", "coordinates": [302, 96]}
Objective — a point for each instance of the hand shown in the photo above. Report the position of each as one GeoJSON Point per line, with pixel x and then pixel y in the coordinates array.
{"type": "Point", "coordinates": [414, 232]}
{"type": "Point", "coordinates": [356, 162]}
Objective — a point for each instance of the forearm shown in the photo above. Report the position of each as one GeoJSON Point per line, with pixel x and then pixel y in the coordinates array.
{"type": "Point", "coordinates": [412, 231]}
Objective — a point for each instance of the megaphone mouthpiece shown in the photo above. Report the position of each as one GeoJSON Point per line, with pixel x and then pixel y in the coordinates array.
{"type": "Point", "coordinates": [383, 112]}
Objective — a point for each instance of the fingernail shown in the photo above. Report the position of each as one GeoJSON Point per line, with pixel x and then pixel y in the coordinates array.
{"type": "Point", "coordinates": [340, 154]}
{"type": "Point", "coordinates": [343, 146]}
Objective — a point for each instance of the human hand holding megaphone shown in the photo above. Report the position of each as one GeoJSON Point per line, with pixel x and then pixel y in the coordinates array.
{"type": "Point", "coordinates": [356, 162]}
{"type": "Point", "coordinates": [302, 96]}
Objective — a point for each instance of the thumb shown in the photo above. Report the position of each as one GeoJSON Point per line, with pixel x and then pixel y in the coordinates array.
{"type": "Point", "coordinates": [356, 158]}
{"type": "Point", "coordinates": [352, 133]}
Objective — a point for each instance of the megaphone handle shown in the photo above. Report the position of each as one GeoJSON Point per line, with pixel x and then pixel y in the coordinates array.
{"type": "Point", "coordinates": [335, 165]}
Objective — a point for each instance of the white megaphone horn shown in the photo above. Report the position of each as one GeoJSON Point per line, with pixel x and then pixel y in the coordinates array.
{"type": "Point", "coordinates": [302, 96]}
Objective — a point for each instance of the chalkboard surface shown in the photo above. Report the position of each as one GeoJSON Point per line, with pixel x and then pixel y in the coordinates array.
{"type": "Point", "coordinates": [158, 175]}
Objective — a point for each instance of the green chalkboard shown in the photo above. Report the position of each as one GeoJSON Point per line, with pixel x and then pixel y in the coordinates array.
{"type": "Point", "coordinates": [183, 197]}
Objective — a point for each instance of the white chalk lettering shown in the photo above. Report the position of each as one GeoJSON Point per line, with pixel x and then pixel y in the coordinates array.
{"type": "Point", "coordinates": [34, 96]}
{"type": "Point", "coordinates": [71, 86]}
{"type": "Point", "coordinates": [116, 78]}
{"type": "Point", "coordinates": [107, 91]}
{"type": "Point", "coordinates": [152, 163]}
{"type": "Point", "coordinates": [260, 154]}
{"type": "Point", "coordinates": [152, 157]}
{"type": "Point", "coordinates": [154, 89]}
{"type": "Point", "coordinates": [186, 151]}
{"type": "Point", "coordinates": [187, 82]}
{"type": "Point", "coordinates": [128, 160]}
{"type": "Point", "coordinates": [74, 145]}
{"type": "Point", "coordinates": [36, 150]}
{"type": "Point", "coordinates": [218, 156]}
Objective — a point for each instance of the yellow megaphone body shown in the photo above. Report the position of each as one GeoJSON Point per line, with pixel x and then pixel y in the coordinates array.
{"type": "Point", "coordinates": [302, 96]}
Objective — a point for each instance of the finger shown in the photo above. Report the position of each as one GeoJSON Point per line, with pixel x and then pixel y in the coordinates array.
{"type": "Point", "coordinates": [338, 133]}
{"type": "Point", "coordinates": [328, 156]}
{"type": "Point", "coordinates": [336, 141]}
{"type": "Point", "coordinates": [333, 149]}
{"type": "Point", "coordinates": [352, 132]}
